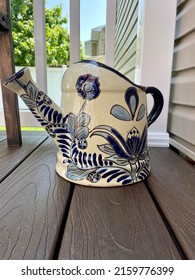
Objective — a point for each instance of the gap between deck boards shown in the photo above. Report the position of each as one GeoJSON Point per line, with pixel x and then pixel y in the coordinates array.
{"type": "Point", "coordinates": [115, 223]}
{"type": "Point", "coordinates": [166, 222]}
{"type": "Point", "coordinates": [172, 183]}
{"type": "Point", "coordinates": [63, 223]}
{"type": "Point", "coordinates": [12, 157]}
{"type": "Point", "coordinates": [33, 200]}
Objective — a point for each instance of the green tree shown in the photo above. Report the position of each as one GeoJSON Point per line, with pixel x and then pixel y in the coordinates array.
{"type": "Point", "coordinates": [57, 36]}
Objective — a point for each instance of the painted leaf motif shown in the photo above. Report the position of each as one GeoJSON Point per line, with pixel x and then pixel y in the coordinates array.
{"type": "Point", "coordinates": [82, 119]}
{"type": "Point", "coordinates": [143, 155]}
{"type": "Point", "coordinates": [141, 112]}
{"type": "Point", "coordinates": [113, 142]}
{"type": "Point", "coordinates": [77, 174]}
{"type": "Point", "coordinates": [115, 176]}
{"type": "Point", "coordinates": [81, 132]}
{"type": "Point", "coordinates": [114, 132]}
{"type": "Point", "coordinates": [118, 160]}
{"type": "Point", "coordinates": [32, 91]}
{"type": "Point", "coordinates": [132, 100]}
{"type": "Point", "coordinates": [143, 141]}
{"type": "Point", "coordinates": [107, 149]}
{"type": "Point", "coordinates": [120, 113]}
{"type": "Point", "coordinates": [28, 101]}
{"type": "Point", "coordinates": [133, 140]}
{"type": "Point", "coordinates": [71, 124]}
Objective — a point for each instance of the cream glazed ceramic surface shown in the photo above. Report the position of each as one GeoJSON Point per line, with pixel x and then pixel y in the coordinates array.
{"type": "Point", "coordinates": [101, 127]}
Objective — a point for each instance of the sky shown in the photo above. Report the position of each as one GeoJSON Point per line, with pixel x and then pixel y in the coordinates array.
{"type": "Point", "coordinates": [92, 14]}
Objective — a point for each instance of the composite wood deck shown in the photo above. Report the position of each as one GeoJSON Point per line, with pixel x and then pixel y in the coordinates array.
{"type": "Point", "coordinates": [43, 216]}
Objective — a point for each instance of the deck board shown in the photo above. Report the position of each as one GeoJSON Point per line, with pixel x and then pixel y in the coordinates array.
{"type": "Point", "coordinates": [11, 157]}
{"type": "Point", "coordinates": [102, 223]}
{"type": "Point", "coordinates": [172, 183]}
{"type": "Point", "coordinates": [115, 223]}
{"type": "Point", "coordinates": [2, 135]}
{"type": "Point", "coordinates": [33, 200]}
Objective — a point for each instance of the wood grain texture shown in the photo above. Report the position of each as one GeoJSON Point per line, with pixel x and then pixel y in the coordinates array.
{"type": "Point", "coordinates": [115, 223]}
{"type": "Point", "coordinates": [10, 100]}
{"type": "Point", "coordinates": [172, 183]}
{"type": "Point", "coordinates": [33, 200]}
{"type": "Point", "coordinates": [11, 157]}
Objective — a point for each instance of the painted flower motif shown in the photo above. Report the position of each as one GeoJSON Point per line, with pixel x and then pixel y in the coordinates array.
{"type": "Point", "coordinates": [137, 144]}
{"type": "Point", "coordinates": [78, 128]}
{"type": "Point", "coordinates": [88, 86]}
{"type": "Point", "coordinates": [132, 149]}
{"type": "Point", "coordinates": [94, 177]}
{"type": "Point", "coordinates": [122, 151]}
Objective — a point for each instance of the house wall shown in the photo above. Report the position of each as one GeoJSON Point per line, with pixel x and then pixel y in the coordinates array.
{"type": "Point", "coordinates": [97, 47]}
{"type": "Point", "coordinates": [144, 41]}
{"type": "Point", "coordinates": [88, 48]}
{"type": "Point", "coordinates": [181, 124]}
{"type": "Point", "coordinates": [101, 42]}
{"type": "Point", "coordinates": [125, 37]}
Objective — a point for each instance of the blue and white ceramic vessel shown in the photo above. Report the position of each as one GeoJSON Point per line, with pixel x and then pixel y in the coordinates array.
{"type": "Point", "coordinates": [101, 127]}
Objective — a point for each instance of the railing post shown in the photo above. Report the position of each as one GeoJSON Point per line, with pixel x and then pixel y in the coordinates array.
{"type": "Point", "coordinates": [156, 28]}
{"type": "Point", "coordinates": [40, 43]}
{"type": "Point", "coordinates": [10, 100]}
{"type": "Point", "coordinates": [110, 32]}
{"type": "Point", "coordinates": [74, 31]}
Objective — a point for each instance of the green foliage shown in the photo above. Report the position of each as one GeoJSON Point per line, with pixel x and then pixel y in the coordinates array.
{"type": "Point", "coordinates": [57, 36]}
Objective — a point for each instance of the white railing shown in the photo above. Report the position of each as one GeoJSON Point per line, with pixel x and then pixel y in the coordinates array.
{"type": "Point", "coordinates": [40, 42]}
{"type": "Point", "coordinates": [42, 73]}
{"type": "Point", "coordinates": [154, 51]}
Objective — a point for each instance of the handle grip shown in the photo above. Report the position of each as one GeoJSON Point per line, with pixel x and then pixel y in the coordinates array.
{"type": "Point", "coordinates": [158, 104]}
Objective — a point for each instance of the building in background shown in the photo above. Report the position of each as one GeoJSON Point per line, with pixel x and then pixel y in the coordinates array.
{"type": "Point", "coordinates": [95, 47]}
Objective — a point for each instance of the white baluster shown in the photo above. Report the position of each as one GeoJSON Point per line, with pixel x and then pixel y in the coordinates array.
{"type": "Point", "coordinates": [40, 43]}
{"type": "Point", "coordinates": [74, 31]}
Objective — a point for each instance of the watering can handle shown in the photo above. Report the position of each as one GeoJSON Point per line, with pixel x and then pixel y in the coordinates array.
{"type": "Point", "coordinates": [158, 104]}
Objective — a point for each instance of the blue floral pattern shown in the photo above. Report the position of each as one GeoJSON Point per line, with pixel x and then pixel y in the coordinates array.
{"type": "Point", "coordinates": [132, 100]}
{"type": "Point", "coordinates": [78, 128]}
{"type": "Point", "coordinates": [126, 159]}
{"type": "Point", "coordinates": [88, 86]}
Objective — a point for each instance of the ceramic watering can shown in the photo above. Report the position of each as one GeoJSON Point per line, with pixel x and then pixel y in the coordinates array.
{"type": "Point", "coordinates": [101, 130]}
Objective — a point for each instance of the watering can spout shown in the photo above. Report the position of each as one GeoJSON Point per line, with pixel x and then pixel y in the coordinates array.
{"type": "Point", "coordinates": [43, 108]}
